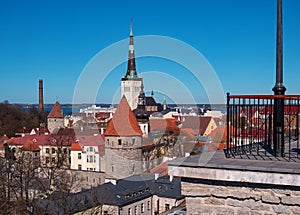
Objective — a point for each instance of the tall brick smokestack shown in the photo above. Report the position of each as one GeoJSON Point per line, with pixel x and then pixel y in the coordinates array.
{"type": "Point", "coordinates": [41, 96]}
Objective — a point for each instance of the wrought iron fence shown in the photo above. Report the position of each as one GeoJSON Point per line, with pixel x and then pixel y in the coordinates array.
{"type": "Point", "coordinates": [250, 125]}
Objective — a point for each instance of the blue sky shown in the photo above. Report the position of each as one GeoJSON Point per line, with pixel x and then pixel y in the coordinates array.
{"type": "Point", "coordinates": [55, 40]}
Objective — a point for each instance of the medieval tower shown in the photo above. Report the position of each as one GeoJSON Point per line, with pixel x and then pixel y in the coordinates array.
{"type": "Point", "coordinates": [55, 119]}
{"type": "Point", "coordinates": [123, 143]}
{"type": "Point", "coordinates": [131, 84]}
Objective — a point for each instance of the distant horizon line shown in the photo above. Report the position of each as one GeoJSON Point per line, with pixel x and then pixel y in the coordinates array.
{"type": "Point", "coordinates": [105, 104]}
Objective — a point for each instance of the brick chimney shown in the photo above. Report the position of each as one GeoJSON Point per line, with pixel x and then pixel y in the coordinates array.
{"type": "Point", "coordinates": [41, 99]}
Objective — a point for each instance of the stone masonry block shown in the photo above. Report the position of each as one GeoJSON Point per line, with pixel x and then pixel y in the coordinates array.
{"type": "Point", "coordinates": [281, 209]}
{"type": "Point", "coordinates": [214, 201]}
{"type": "Point", "coordinates": [288, 200]}
{"type": "Point", "coordinates": [270, 199]}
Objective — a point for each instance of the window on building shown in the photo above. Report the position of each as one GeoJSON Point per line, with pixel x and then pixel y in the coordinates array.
{"type": "Point", "coordinates": [142, 208]}
{"type": "Point", "coordinates": [47, 150]}
{"type": "Point", "coordinates": [119, 142]}
{"type": "Point", "coordinates": [79, 156]}
{"type": "Point", "coordinates": [126, 89]}
{"type": "Point", "coordinates": [105, 212]}
{"type": "Point", "coordinates": [47, 159]}
{"type": "Point", "coordinates": [65, 151]}
{"type": "Point", "coordinates": [112, 168]}
{"type": "Point", "coordinates": [91, 149]}
{"type": "Point", "coordinates": [53, 150]}
{"type": "Point", "coordinates": [148, 206]}
{"type": "Point", "coordinates": [133, 141]}
{"type": "Point", "coordinates": [79, 167]}
{"type": "Point", "coordinates": [129, 211]}
{"type": "Point", "coordinates": [167, 207]}
{"type": "Point", "coordinates": [135, 210]}
{"type": "Point", "coordinates": [53, 160]}
{"type": "Point", "coordinates": [35, 154]}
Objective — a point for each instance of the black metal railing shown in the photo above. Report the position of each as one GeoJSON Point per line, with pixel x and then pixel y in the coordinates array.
{"type": "Point", "coordinates": [250, 125]}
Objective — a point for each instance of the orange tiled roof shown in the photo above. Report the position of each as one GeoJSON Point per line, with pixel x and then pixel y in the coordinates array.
{"type": "Point", "coordinates": [56, 111]}
{"type": "Point", "coordinates": [3, 139]}
{"type": "Point", "coordinates": [76, 147]}
{"type": "Point", "coordinates": [123, 122]}
{"type": "Point", "coordinates": [167, 125]}
{"type": "Point", "coordinates": [161, 169]}
{"type": "Point", "coordinates": [219, 135]}
{"type": "Point", "coordinates": [31, 146]}
{"type": "Point", "coordinates": [198, 123]}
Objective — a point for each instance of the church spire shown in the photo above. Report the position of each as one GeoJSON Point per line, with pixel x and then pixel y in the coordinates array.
{"type": "Point", "coordinates": [131, 69]}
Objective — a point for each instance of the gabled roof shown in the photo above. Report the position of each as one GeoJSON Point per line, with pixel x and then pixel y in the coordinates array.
{"type": "Point", "coordinates": [123, 122]}
{"type": "Point", "coordinates": [168, 125]}
{"type": "Point", "coordinates": [126, 191]}
{"type": "Point", "coordinates": [31, 146]}
{"type": "Point", "coordinates": [42, 140]}
{"type": "Point", "coordinates": [76, 147]}
{"type": "Point", "coordinates": [41, 130]}
{"type": "Point", "coordinates": [56, 111]}
{"type": "Point", "coordinates": [199, 123]}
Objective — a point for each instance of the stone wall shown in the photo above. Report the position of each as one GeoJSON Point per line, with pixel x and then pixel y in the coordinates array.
{"type": "Point", "coordinates": [123, 156]}
{"type": "Point", "coordinates": [219, 197]}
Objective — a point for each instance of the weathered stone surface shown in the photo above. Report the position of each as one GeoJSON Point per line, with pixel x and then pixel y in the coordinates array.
{"type": "Point", "coordinates": [246, 211]}
{"type": "Point", "coordinates": [238, 203]}
{"type": "Point", "coordinates": [214, 201]}
{"type": "Point", "coordinates": [270, 199]}
{"type": "Point", "coordinates": [295, 210]}
{"type": "Point", "coordinates": [240, 194]}
{"type": "Point", "coordinates": [287, 200]}
{"type": "Point", "coordinates": [282, 191]}
{"type": "Point", "coordinates": [231, 199]}
{"type": "Point", "coordinates": [196, 191]}
{"type": "Point", "coordinates": [296, 193]}
{"type": "Point", "coordinates": [281, 209]}
{"type": "Point", "coordinates": [221, 192]}
{"type": "Point", "coordinates": [189, 189]}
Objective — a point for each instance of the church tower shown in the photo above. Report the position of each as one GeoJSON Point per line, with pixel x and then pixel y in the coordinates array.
{"type": "Point", "coordinates": [141, 113]}
{"type": "Point", "coordinates": [123, 144]}
{"type": "Point", "coordinates": [131, 84]}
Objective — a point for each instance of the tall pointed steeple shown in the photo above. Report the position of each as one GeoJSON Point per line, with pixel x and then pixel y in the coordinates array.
{"type": "Point", "coordinates": [131, 69]}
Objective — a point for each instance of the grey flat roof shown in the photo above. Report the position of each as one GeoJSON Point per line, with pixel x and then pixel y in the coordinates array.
{"type": "Point", "coordinates": [219, 161]}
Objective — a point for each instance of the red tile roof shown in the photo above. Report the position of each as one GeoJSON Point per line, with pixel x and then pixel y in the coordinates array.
{"type": "Point", "coordinates": [123, 122]}
{"type": "Point", "coordinates": [56, 111]}
{"type": "Point", "coordinates": [76, 147]}
{"type": "Point", "coordinates": [95, 140]}
{"type": "Point", "coordinates": [219, 135]}
{"type": "Point", "coordinates": [31, 146]}
{"type": "Point", "coordinates": [42, 140]}
{"type": "Point", "coordinates": [40, 131]}
{"type": "Point", "coordinates": [3, 139]}
{"type": "Point", "coordinates": [198, 123]}
{"type": "Point", "coordinates": [167, 125]}
{"type": "Point", "coordinates": [189, 132]}
{"type": "Point", "coordinates": [161, 169]}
